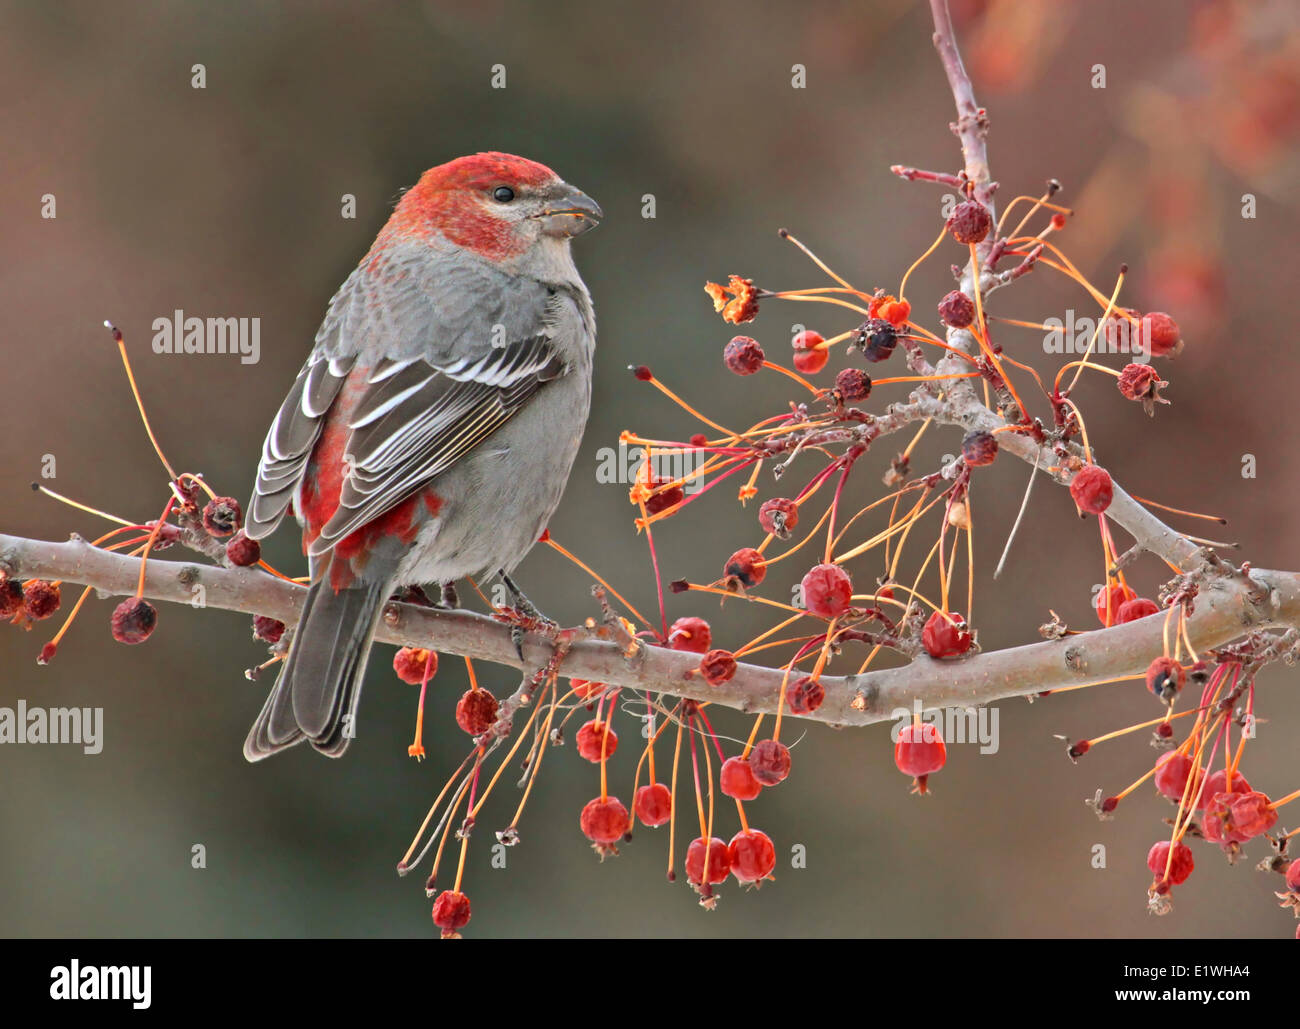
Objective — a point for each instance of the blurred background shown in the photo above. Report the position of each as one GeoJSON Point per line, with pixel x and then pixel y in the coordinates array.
{"type": "Point", "coordinates": [225, 201]}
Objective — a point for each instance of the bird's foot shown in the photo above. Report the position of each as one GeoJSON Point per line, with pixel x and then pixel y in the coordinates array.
{"type": "Point", "coordinates": [524, 617]}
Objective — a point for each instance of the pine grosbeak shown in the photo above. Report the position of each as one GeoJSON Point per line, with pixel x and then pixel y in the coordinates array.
{"type": "Point", "coordinates": [430, 434]}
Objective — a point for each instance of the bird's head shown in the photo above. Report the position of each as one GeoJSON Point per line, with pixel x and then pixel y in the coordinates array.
{"type": "Point", "coordinates": [497, 205]}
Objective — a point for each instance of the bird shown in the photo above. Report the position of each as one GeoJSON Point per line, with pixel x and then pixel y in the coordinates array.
{"type": "Point", "coordinates": [431, 432]}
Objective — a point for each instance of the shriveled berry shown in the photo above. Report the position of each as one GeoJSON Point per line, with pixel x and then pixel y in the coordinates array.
{"type": "Point", "coordinates": [770, 760]}
{"type": "Point", "coordinates": [920, 752]}
{"type": "Point", "coordinates": [592, 737]}
{"type": "Point", "coordinates": [267, 629]}
{"type": "Point", "coordinates": [222, 516]}
{"type": "Point", "coordinates": [876, 338]}
{"type": "Point", "coordinates": [667, 497]}
{"type": "Point", "coordinates": [1092, 489]}
{"type": "Point", "coordinates": [717, 666]}
{"type": "Point", "coordinates": [719, 861]}
{"type": "Point", "coordinates": [957, 309]}
{"type": "Point", "coordinates": [736, 779]}
{"type": "Point", "coordinates": [805, 695]}
{"type": "Point", "coordinates": [11, 597]}
{"type": "Point", "coordinates": [1179, 868]}
{"type": "Point", "coordinates": [1172, 772]}
{"type": "Point", "coordinates": [1109, 600]}
{"type": "Point", "coordinates": [653, 804]}
{"type": "Point", "coordinates": [133, 620]}
{"type": "Point", "coordinates": [242, 551]}
{"type": "Point", "coordinates": [853, 384]}
{"type": "Point", "coordinates": [946, 635]}
{"type": "Point", "coordinates": [752, 855]}
{"type": "Point", "coordinates": [979, 448]}
{"type": "Point", "coordinates": [1238, 817]}
{"type": "Point", "coordinates": [969, 222]}
{"type": "Point", "coordinates": [604, 821]}
{"type": "Point", "coordinates": [476, 711]}
{"type": "Point", "coordinates": [1165, 677]}
{"type": "Point", "coordinates": [40, 598]}
{"type": "Point", "coordinates": [1217, 782]}
{"type": "Point", "coordinates": [1132, 610]}
{"type": "Point", "coordinates": [451, 912]}
{"type": "Point", "coordinates": [778, 516]}
{"type": "Point", "coordinates": [746, 566]}
{"type": "Point", "coordinates": [1162, 333]}
{"type": "Point", "coordinates": [690, 634]}
{"type": "Point", "coordinates": [743, 355]}
{"type": "Point", "coordinates": [896, 312]}
{"type": "Point", "coordinates": [1140, 382]}
{"type": "Point", "coordinates": [410, 662]}
{"type": "Point", "coordinates": [827, 591]}
{"type": "Point", "coordinates": [808, 358]}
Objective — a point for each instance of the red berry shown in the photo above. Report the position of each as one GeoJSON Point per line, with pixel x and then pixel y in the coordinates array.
{"type": "Point", "coordinates": [957, 309]}
{"type": "Point", "coordinates": [410, 662]}
{"type": "Point", "coordinates": [1217, 783]}
{"type": "Point", "coordinates": [699, 440]}
{"type": "Point", "coordinates": [1132, 610]}
{"type": "Point", "coordinates": [1162, 333]}
{"type": "Point", "coordinates": [592, 737]}
{"type": "Point", "coordinates": [737, 779]}
{"type": "Point", "coordinates": [920, 752]}
{"type": "Point", "coordinates": [853, 384]}
{"type": "Point", "coordinates": [719, 859]}
{"type": "Point", "coordinates": [945, 635]}
{"type": "Point", "coordinates": [979, 448]}
{"type": "Point", "coordinates": [1140, 382]}
{"type": "Point", "coordinates": [770, 761]}
{"type": "Point", "coordinates": [807, 358]}
{"type": "Point", "coordinates": [584, 690]}
{"type": "Point", "coordinates": [604, 821]}
{"type": "Point", "coordinates": [451, 912]}
{"type": "Point", "coordinates": [805, 695]}
{"type": "Point", "coordinates": [895, 312]}
{"type": "Point", "coordinates": [747, 567]}
{"type": "Point", "coordinates": [691, 634]}
{"type": "Point", "coordinates": [1172, 772]}
{"type": "Point", "coordinates": [665, 498]}
{"type": "Point", "coordinates": [1179, 868]}
{"type": "Point", "coordinates": [969, 222]}
{"type": "Point", "coordinates": [1293, 876]}
{"type": "Point", "coordinates": [654, 804]}
{"type": "Point", "coordinates": [242, 551]}
{"type": "Point", "coordinates": [1109, 600]}
{"type": "Point", "coordinates": [222, 516]}
{"type": "Point", "coordinates": [778, 516]}
{"type": "Point", "coordinates": [752, 855]}
{"type": "Point", "coordinates": [876, 338]}
{"type": "Point", "coordinates": [133, 620]}
{"type": "Point", "coordinates": [1092, 489]}
{"type": "Point", "coordinates": [717, 666]}
{"type": "Point", "coordinates": [1165, 677]}
{"type": "Point", "coordinates": [827, 591]}
{"type": "Point", "coordinates": [1238, 817]}
{"type": "Point", "coordinates": [1058, 221]}
{"type": "Point", "coordinates": [266, 629]}
{"type": "Point", "coordinates": [476, 711]}
{"type": "Point", "coordinates": [743, 355]}
{"type": "Point", "coordinates": [40, 598]}
{"type": "Point", "coordinates": [642, 373]}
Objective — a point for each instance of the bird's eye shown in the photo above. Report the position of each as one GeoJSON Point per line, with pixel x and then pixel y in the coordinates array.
{"type": "Point", "coordinates": [503, 194]}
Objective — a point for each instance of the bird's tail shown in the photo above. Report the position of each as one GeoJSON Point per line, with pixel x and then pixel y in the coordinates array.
{"type": "Point", "coordinates": [315, 697]}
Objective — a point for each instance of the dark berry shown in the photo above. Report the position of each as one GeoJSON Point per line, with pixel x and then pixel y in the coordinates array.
{"type": "Point", "coordinates": [743, 355]}
{"type": "Point", "coordinates": [133, 620]}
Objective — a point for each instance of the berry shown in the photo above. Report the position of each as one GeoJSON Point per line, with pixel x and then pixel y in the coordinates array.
{"type": "Point", "coordinates": [699, 440]}
{"type": "Point", "coordinates": [876, 338]}
{"type": "Point", "coordinates": [666, 498]}
{"type": "Point", "coordinates": [743, 355]}
{"type": "Point", "coordinates": [691, 634]}
{"type": "Point", "coordinates": [969, 222]}
{"type": "Point", "coordinates": [717, 666]}
{"type": "Point", "coordinates": [409, 664]}
{"type": "Point", "coordinates": [737, 779]}
{"type": "Point", "coordinates": [896, 312]}
{"type": "Point", "coordinates": [1238, 817]}
{"type": "Point", "coordinates": [770, 761]}
{"type": "Point", "coordinates": [808, 359]}
{"type": "Point", "coordinates": [746, 567]}
{"type": "Point", "coordinates": [979, 448]}
{"type": "Point", "coordinates": [920, 752]}
{"type": "Point", "coordinates": [853, 384]}
{"type": "Point", "coordinates": [1218, 783]}
{"type": "Point", "coordinates": [1092, 489]}
{"type": "Point", "coordinates": [584, 690]}
{"type": "Point", "coordinates": [1132, 610]}
{"type": "Point", "coordinates": [752, 855]}
{"type": "Point", "coordinates": [642, 373]}
{"type": "Point", "coordinates": [267, 629]}
{"type": "Point", "coordinates": [604, 821]}
{"type": "Point", "coordinates": [242, 551]}
{"type": "Point", "coordinates": [11, 597]}
{"type": "Point", "coordinates": [827, 591]}
{"type": "Point", "coordinates": [476, 711]}
{"type": "Point", "coordinates": [805, 695]}
{"type": "Point", "coordinates": [719, 858]}
{"type": "Point", "coordinates": [1179, 868]}
{"type": "Point", "coordinates": [945, 635]}
{"type": "Point", "coordinates": [593, 736]}
{"type": "Point", "coordinates": [1165, 677]}
{"type": "Point", "coordinates": [1162, 333]}
{"type": "Point", "coordinates": [1140, 382]}
{"type": "Point", "coordinates": [1293, 876]}
{"type": "Point", "coordinates": [654, 804]}
{"type": "Point", "coordinates": [222, 516]}
{"type": "Point", "coordinates": [778, 516]}
{"type": "Point", "coordinates": [957, 309]}
{"type": "Point", "coordinates": [133, 620]}
{"type": "Point", "coordinates": [1109, 600]}
{"type": "Point", "coordinates": [451, 912]}
{"type": "Point", "coordinates": [1172, 772]}
{"type": "Point", "coordinates": [40, 598]}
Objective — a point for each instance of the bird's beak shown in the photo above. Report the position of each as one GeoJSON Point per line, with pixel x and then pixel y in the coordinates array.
{"type": "Point", "coordinates": [571, 213]}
